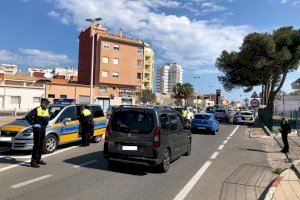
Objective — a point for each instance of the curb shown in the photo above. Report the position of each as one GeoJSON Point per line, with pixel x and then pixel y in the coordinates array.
{"type": "Point", "coordinates": [296, 167]}
{"type": "Point", "coordinates": [274, 186]}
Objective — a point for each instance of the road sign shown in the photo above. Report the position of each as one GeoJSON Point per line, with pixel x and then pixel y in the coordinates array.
{"type": "Point", "coordinates": [254, 103]}
{"type": "Point", "coordinates": [254, 95]}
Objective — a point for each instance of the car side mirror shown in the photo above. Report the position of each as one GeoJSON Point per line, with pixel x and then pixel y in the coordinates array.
{"type": "Point", "coordinates": [66, 120]}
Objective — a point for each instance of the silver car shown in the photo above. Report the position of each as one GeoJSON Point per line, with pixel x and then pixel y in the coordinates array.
{"type": "Point", "coordinates": [244, 117]}
{"type": "Point", "coordinates": [63, 128]}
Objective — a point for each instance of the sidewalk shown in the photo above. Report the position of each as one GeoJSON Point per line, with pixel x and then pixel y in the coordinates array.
{"type": "Point", "coordinates": [287, 185]}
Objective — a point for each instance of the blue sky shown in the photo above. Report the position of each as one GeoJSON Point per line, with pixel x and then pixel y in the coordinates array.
{"type": "Point", "coordinates": [43, 33]}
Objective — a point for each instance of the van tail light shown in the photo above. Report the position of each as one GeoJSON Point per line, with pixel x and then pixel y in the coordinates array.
{"type": "Point", "coordinates": [210, 122]}
{"type": "Point", "coordinates": [156, 140]}
{"type": "Point", "coordinates": [107, 132]}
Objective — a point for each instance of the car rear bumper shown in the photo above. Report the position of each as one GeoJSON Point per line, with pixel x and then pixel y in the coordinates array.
{"type": "Point", "coordinates": [132, 159]}
{"type": "Point", "coordinates": [246, 121]}
{"type": "Point", "coordinates": [223, 119]}
{"type": "Point", "coordinates": [203, 128]}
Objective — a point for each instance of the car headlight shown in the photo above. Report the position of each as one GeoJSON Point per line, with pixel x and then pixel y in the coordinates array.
{"type": "Point", "coordinates": [27, 132]}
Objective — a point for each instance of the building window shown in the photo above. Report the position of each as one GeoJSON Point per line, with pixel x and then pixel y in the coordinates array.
{"type": "Point", "coordinates": [117, 47]}
{"type": "Point", "coordinates": [114, 88]}
{"type": "Point", "coordinates": [105, 45]}
{"type": "Point", "coordinates": [140, 50]}
{"type": "Point", "coordinates": [116, 74]}
{"type": "Point", "coordinates": [140, 63]}
{"type": "Point", "coordinates": [103, 88]}
{"type": "Point", "coordinates": [105, 59]}
{"type": "Point", "coordinates": [139, 76]}
{"type": "Point", "coordinates": [63, 96]}
{"type": "Point", "coordinates": [15, 100]}
{"type": "Point", "coordinates": [36, 99]}
{"type": "Point", "coordinates": [104, 74]}
{"type": "Point", "coordinates": [51, 96]}
{"type": "Point", "coordinates": [116, 61]}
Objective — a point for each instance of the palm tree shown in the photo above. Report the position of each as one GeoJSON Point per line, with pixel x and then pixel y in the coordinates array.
{"type": "Point", "coordinates": [183, 91]}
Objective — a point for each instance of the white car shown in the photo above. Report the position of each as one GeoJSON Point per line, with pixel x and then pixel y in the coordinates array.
{"type": "Point", "coordinates": [244, 117]}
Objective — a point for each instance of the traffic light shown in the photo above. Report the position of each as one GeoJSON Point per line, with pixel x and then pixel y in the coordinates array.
{"type": "Point", "coordinates": [218, 96]}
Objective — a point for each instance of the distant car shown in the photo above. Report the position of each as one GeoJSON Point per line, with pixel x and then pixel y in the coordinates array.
{"type": "Point", "coordinates": [209, 110]}
{"type": "Point", "coordinates": [109, 110]}
{"type": "Point", "coordinates": [148, 136]}
{"type": "Point", "coordinates": [244, 117]}
{"type": "Point", "coordinates": [222, 115]}
{"type": "Point", "coordinates": [205, 122]}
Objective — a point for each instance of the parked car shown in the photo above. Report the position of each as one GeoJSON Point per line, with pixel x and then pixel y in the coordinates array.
{"type": "Point", "coordinates": [244, 117]}
{"type": "Point", "coordinates": [222, 115]}
{"type": "Point", "coordinates": [148, 136]}
{"type": "Point", "coordinates": [63, 128]}
{"type": "Point", "coordinates": [205, 122]}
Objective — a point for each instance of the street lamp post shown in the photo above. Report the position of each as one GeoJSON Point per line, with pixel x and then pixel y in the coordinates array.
{"type": "Point", "coordinates": [196, 77]}
{"type": "Point", "coordinates": [92, 61]}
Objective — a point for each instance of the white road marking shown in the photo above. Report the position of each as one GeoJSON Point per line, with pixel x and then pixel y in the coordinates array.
{"type": "Point", "coordinates": [84, 164]}
{"type": "Point", "coordinates": [214, 155]}
{"type": "Point", "coordinates": [228, 138]}
{"type": "Point", "coordinates": [189, 186]}
{"type": "Point", "coordinates": [44, 156]}
{"type": "Point", "coordinates": [225, 141]}
{"type": "Point", "coordinates": [30, 181]}
{"type": "Point", "coordinates": [15, 157]}
{"type": "Point", "coordinates": [221, 147]}
{"type": "Point", "coordinates": [193, 181]}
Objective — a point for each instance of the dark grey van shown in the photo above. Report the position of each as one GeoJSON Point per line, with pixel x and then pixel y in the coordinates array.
{"type": "Point", "coordinates": [148, 136]}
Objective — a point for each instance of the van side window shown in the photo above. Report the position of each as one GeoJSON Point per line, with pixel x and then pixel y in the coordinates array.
{"type": "Point", "coordinates": [97, 111]}
{"type": "Point", "coordinates": [180, 122]}
{"type": "Point", "coordinates": [69, 112]}
{"type": "Point", "coordinates": [174, 121]}
{"type": "Point", "coordinates": [164, 122]}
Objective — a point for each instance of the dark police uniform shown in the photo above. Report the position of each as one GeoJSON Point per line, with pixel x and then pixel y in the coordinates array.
{"type": "Point", "coordinates": [87, 126]}
{"type": "Point", "coordinates": [39, 119]}
{"type": "Point", "coordinates": [285, 129]}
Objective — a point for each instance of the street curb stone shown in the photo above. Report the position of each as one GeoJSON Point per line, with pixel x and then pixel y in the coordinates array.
{"type": "Point", "coordinates": [296, 167]}
{"type": "Point", "coordinates": [274, 186]}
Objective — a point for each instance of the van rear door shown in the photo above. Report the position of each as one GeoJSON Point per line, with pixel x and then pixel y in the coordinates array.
{"type": "Point", "coordinates": [131, 132]}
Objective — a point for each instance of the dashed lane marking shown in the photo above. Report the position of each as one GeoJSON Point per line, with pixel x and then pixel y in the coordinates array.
{"type": "Point", "coordinates": [214, 155]}
{"type": "Point", "coordinates": [221, 147]}
{"type": "Point", "coordinates": [225, 141]}
{"type": "Point", "coordinates": [84, 164]}
{"type": "Point", "coordinates": [30, 181]}
{"type": "Point", "coordinates": [193, 181]}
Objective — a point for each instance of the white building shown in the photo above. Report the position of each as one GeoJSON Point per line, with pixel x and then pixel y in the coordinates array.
{"type": "Point", "coordinates": [167, 76]}
{"type": "Point", "coordinates": [287, 104]}
{"type": "Point", "coordinates": [36, 72]}
{"type": "Point", "coordinates": [67, 72]}
{"type": "Point", "coordinates": [20, 92]}
{"type": "Point", "coordinates": [8, 69]}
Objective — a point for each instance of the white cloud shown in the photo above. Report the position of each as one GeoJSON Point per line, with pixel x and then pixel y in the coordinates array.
{"type": "Point", "coordinates": [33, 58]}
{"type": "Point", "coordinates": [191, 43]}
{"type": "Point", "coordinates": [211, 7]}
{"type": "Point", "coordinates": [207, 71]}
{"type": "Point", "coordinates": [283, 1]}
{"type": "Point", "coordinates": [296, 3]}
{"type": "Point", "coordinates": [54, 14]}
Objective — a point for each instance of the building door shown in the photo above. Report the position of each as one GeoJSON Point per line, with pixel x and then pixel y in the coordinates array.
{"type": "Point", "coordinates": [126, 102]}
{"type": "Point", "coordinates": [84, 99]}
{"type": "Point", "coordinates": [104, 103]}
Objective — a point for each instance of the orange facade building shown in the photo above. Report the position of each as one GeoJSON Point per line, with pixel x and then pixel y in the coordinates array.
{"type": "Point", "coordinates": [118, 65]}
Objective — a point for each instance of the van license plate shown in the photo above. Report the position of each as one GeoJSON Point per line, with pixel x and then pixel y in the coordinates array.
{"type": "Point", "coordinates": [129, 148]}
{"type": "Point", "coordinates": [201, 128]}
{"type": "Point", "coordinates": [5, 139]}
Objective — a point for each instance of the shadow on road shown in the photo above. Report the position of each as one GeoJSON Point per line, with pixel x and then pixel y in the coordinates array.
{"type": "Point", "coordinates": [101, 164]}
{"type": "Point", "coordinates": [249, 181]}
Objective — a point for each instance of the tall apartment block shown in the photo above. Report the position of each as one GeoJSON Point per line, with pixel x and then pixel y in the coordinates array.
{"type": "Point", "coordinates": [148, 67]}
{"type": "Point", "coordinates": [167, 76]}
{"type": "Point", "coordinates": [118, 65]}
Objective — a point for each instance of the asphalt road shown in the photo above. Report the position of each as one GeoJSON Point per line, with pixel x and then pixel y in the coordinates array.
{"type": "Point", "coordinates": [82, 173]}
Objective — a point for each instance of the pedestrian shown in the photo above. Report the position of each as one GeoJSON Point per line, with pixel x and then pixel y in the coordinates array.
{"type": "Point", "coordinates": [285, 130]}
{"type": "Point", "coordinates": [184, 114]}
{"type": "Point", "coordinates": [38, 119]}
{"type": "Point", "coordinates": [86, 125]}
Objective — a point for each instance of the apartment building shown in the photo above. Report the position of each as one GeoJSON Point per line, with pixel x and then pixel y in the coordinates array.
{"type": "Point", "coordinates": [9, 69]}
{"type": "Point", "coordinates": [118, 65]}
{"type": "Point", "coordinates": [167, 77]}
{"type": "Point", "coordinates": [148, 68]}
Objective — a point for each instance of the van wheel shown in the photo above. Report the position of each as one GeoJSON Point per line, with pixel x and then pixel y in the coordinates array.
{"type": "Point", "coordinates": [50, 144]}
{"type": "Point", "coordinates": [165, 164]}
{"type": "Point", "coordinates": [97, 139]}
{"type": "Point", "coordinates": [213, 132]}
{"type": "Point", "coordinates": [189, 148]}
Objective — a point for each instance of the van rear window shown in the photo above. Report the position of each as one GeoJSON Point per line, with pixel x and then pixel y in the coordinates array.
{"type": "Point", "coordinates": [206, 117]}
{"type": "Point", "coordinates": [132, 122]}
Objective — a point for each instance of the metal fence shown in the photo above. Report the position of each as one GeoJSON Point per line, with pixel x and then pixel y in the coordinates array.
{"type": "Point", "coordinates": [7, 113]}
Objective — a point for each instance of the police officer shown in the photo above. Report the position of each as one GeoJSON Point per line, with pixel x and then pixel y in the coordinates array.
{"type": "Point", "coordinates": [285, 129]}
{"type": "Point", "coordinates": [86, 124]}
{"type": "Point", "coordinates": [39, 119]}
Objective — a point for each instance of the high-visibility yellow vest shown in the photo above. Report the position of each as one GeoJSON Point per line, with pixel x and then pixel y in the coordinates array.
{"type": "Point", "coordinates": [184, 113]}
{"type": "Point", "coordinates": [86, 112]}
{"type": "Point", "coordinates": [285, 121]}
{"type": "Point", "coordinates": [42, 113]}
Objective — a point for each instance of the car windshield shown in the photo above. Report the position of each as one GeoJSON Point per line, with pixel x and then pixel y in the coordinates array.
{"type": "Point", "coordinates": [132, 122]}
{"type": "Point", "coordinates": [221, 111]}
{"type": "Point", "coordinates": [206, 117]}
{"type": "Point", "coordinates": [246, 113]}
